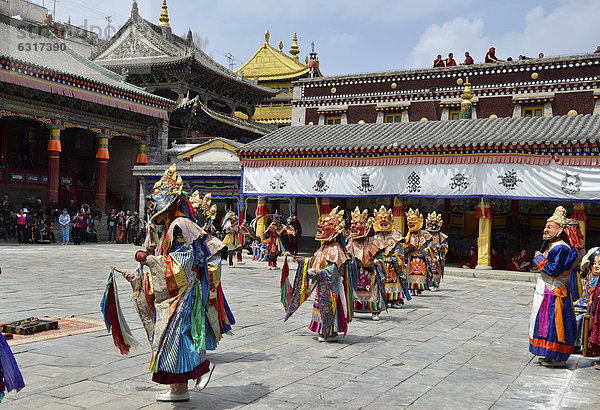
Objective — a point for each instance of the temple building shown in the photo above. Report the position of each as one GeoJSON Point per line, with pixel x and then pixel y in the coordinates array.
{"type": "Point", "coordinates": [534, 87]}
{"type": "Point", "coordinates": [274, 69]}
{"type": "Point", "coordinates": [214, 104]}
{"type": "Point", "coordinates": [208, 95]}
{"type": "Point", "coordinates": [65, 121]}
{"type": "Point", "coordinates": [494, 151]}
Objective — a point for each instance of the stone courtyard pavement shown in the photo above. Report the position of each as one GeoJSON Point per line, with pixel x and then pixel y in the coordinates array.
{"type": "Point", "coordinates": [462, 347]}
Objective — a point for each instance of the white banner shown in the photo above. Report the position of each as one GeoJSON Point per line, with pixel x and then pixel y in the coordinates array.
{"type": "Point", "coordinates": [517, 181]}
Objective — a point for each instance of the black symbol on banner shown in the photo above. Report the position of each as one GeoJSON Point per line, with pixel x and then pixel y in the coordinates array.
{"type": "Point", "coordinates": [414, 182]}
{"type": "Point", "coordinates": [365, 183]}
{"type": "Point", "coordinates": [248, 187]}
{"type": "Point", "coordinates": [459, 181]}
{"type": "Point", "coordinates": [571, 184]}
{"type": "Point", "coordinates": [278, 182]}
{"type": "Point", "coordinates": [320, 184]}
{"type": "Point", "coordinates": [510, 180]}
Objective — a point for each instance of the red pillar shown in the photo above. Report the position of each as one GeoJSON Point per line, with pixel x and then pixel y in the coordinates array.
{"type": "Point", "coordinates": [4, 142]}
{"type": "Point", "coordinates": [54, 149]}
{"type": "Point", "coordinates": [101, 170]}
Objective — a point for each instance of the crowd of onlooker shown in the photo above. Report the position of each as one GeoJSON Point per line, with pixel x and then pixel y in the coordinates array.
{"type": "Point", "coordinates": [490, 57]}
{"type": "Point", "coordinates": [32, 222]}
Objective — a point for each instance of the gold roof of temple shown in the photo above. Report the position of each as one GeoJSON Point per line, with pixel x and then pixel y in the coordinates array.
{"type": "Point", "coordinates": [269, 64]}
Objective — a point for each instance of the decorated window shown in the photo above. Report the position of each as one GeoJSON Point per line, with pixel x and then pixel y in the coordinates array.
{"type": "Point", "coordinates": [392, 117]}
{"type": "Point", "coordinates": [454, 115]}
{"type": "Point", "coordinates": [530, 111]}
{"type": "Point", "coordinates": [333, 120]}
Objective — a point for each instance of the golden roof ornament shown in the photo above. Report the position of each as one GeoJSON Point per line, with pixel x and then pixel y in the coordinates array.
{"type": "Point", "coordinates": [467, 94]}
{"type": "Point", "coordinates": [164, 15]}
{"type": "Point", "coordinates": [280, 46]}
{"type": "Point", "coordinates": [267, 36]}
{"type": "Point", "coordinates": [466, 106]}
{"type": "Point", "coordinates": [294, 49]}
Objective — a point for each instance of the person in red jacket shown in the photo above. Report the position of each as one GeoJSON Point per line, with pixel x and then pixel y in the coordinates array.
{"type": "Point", "coordinates": [438, 62]}
{"type": "Point", "coordinates": [472, 261]}
{"type": "Point", "coordinates": [490, 57]}
{"type": "Point", "coordinates": [520, 262]}
{"type": "Point", "coordinates": [468, 59]}
{"type": "Point", "coordinates": [450, 62]}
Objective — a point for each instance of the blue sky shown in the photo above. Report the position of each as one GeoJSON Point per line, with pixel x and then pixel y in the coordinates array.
{"type": "Point", "coordinates": [355, 36]}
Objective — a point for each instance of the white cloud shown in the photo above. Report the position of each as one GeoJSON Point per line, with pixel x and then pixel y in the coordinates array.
{"type": "Point", "coordinates": [455, 36]}
{"type": "Point", "coordinates": [569, 28]}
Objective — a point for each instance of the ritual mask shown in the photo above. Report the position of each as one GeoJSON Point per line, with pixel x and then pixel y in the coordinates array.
{"type": "Point", "coordinates": [414, 220]}
{"type": "Point", "coordinates": [330, 226]}
{"type": "Point", "coordinates": [360, 224]}
{"type": "Point", "coordinates": [596, 266]}
{"type": "Point", "coordinates": [434, 222]}
{"type": "Point", "coordinates": [384, 220]}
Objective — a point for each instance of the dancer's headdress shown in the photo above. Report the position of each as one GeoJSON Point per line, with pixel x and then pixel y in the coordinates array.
{"type": "Point", "coordinates": [559, 217]}
{"type": "Point", "coordinates": [384, 220]}
{"type": "Point", "coordinates": [434, 222]}
{"type": "Point", "coordinates": [331, 225]}
{"type": "Point", "coordinates": [166, 192]}
{"type": "Point", "coordinates": [360, 223]}
{"type": "Point", "coordinates": [414, 220]}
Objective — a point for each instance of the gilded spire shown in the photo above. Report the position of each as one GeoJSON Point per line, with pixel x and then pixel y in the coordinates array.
{"type": "Point", "coordinates": [267, 36]}
{"type": "Point", "coordinates": [164, 15]}
{"type": "Point", "coordinates": [466, 106]}
{"type": "Point", "coordinates": [294, 49]}
{"type": "Point", "coordinates": [467, 94]}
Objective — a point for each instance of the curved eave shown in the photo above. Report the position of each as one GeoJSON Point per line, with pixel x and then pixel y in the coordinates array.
{"type": "Point", "coordinates": [98, 85]}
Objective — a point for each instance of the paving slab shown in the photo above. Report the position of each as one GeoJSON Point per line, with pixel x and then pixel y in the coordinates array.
{"type": "Point", "coordinates": [465, 346]}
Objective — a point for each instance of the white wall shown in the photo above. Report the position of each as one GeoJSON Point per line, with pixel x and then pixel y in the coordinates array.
{"type": "Point", "coordinates": [216, 155]}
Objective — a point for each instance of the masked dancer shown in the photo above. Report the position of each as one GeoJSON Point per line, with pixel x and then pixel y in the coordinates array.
{"type": "Point", "coordinates": [433, 225]}
{"type": "Point", "coordinates": [333, 306]}
{"type": "Point", "coordinates": [392, 257]}
{"type": "Point", "coordinates": [180, 299]}
{"type": "Point", "coordinates": [552, 326]}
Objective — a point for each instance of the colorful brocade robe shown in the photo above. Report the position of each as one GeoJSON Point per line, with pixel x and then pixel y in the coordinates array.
{"type": "Point", "coordinates": [370, 285]}
{"type": "Point", "coordinates": [333, 305]}
{"type": "Point", "coordinates": [180, 301]}
{"type": "Point", "coordinates": [393, 263]}
{"type": "Point", "coordinates": [420, 255]}
{"type": "Point", "coordinates": [436, 267]}
{"type": "Point", "coordinates": [552, 325]}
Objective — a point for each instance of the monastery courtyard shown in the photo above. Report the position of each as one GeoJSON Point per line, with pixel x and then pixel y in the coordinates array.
{"type": "Point", "coordinates": [462, 347]}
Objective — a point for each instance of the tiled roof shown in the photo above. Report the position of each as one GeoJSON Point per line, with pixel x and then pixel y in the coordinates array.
{"type": "Point", "coordinates": [254, 127]}
{"type": "Point", "coordinates": [165, 48]}
{"type": "Point", "coordinates": [22, 42]}
{"type": "Point", "coordinates": [431, 134]}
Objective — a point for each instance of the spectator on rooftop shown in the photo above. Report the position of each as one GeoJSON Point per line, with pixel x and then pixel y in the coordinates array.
{"type": "Point", "coordinates": [597, 50]}
{"type": "Point", "coordinates": [468, 59]}
{"type": "Point", "coordinates": [490, 56]}
{"type": "Point", "coordinates": [541, 55]}
{"type": "Point", "coordinates": [438, 62]}
{"type": "Point", "coordinates": [450, 62]}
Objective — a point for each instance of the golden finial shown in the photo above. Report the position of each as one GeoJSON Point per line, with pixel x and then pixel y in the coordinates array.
{"type": "Point", "coordinates": [267, 36]}
{"type": "Point", "coordinates": [294, 49]}
{"type": "Point", "coordinates": [467, 94]}
{"type": "Point", "coordinates": [164, 15]}
{"type": "Point", "coordinates": [280, 46]}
